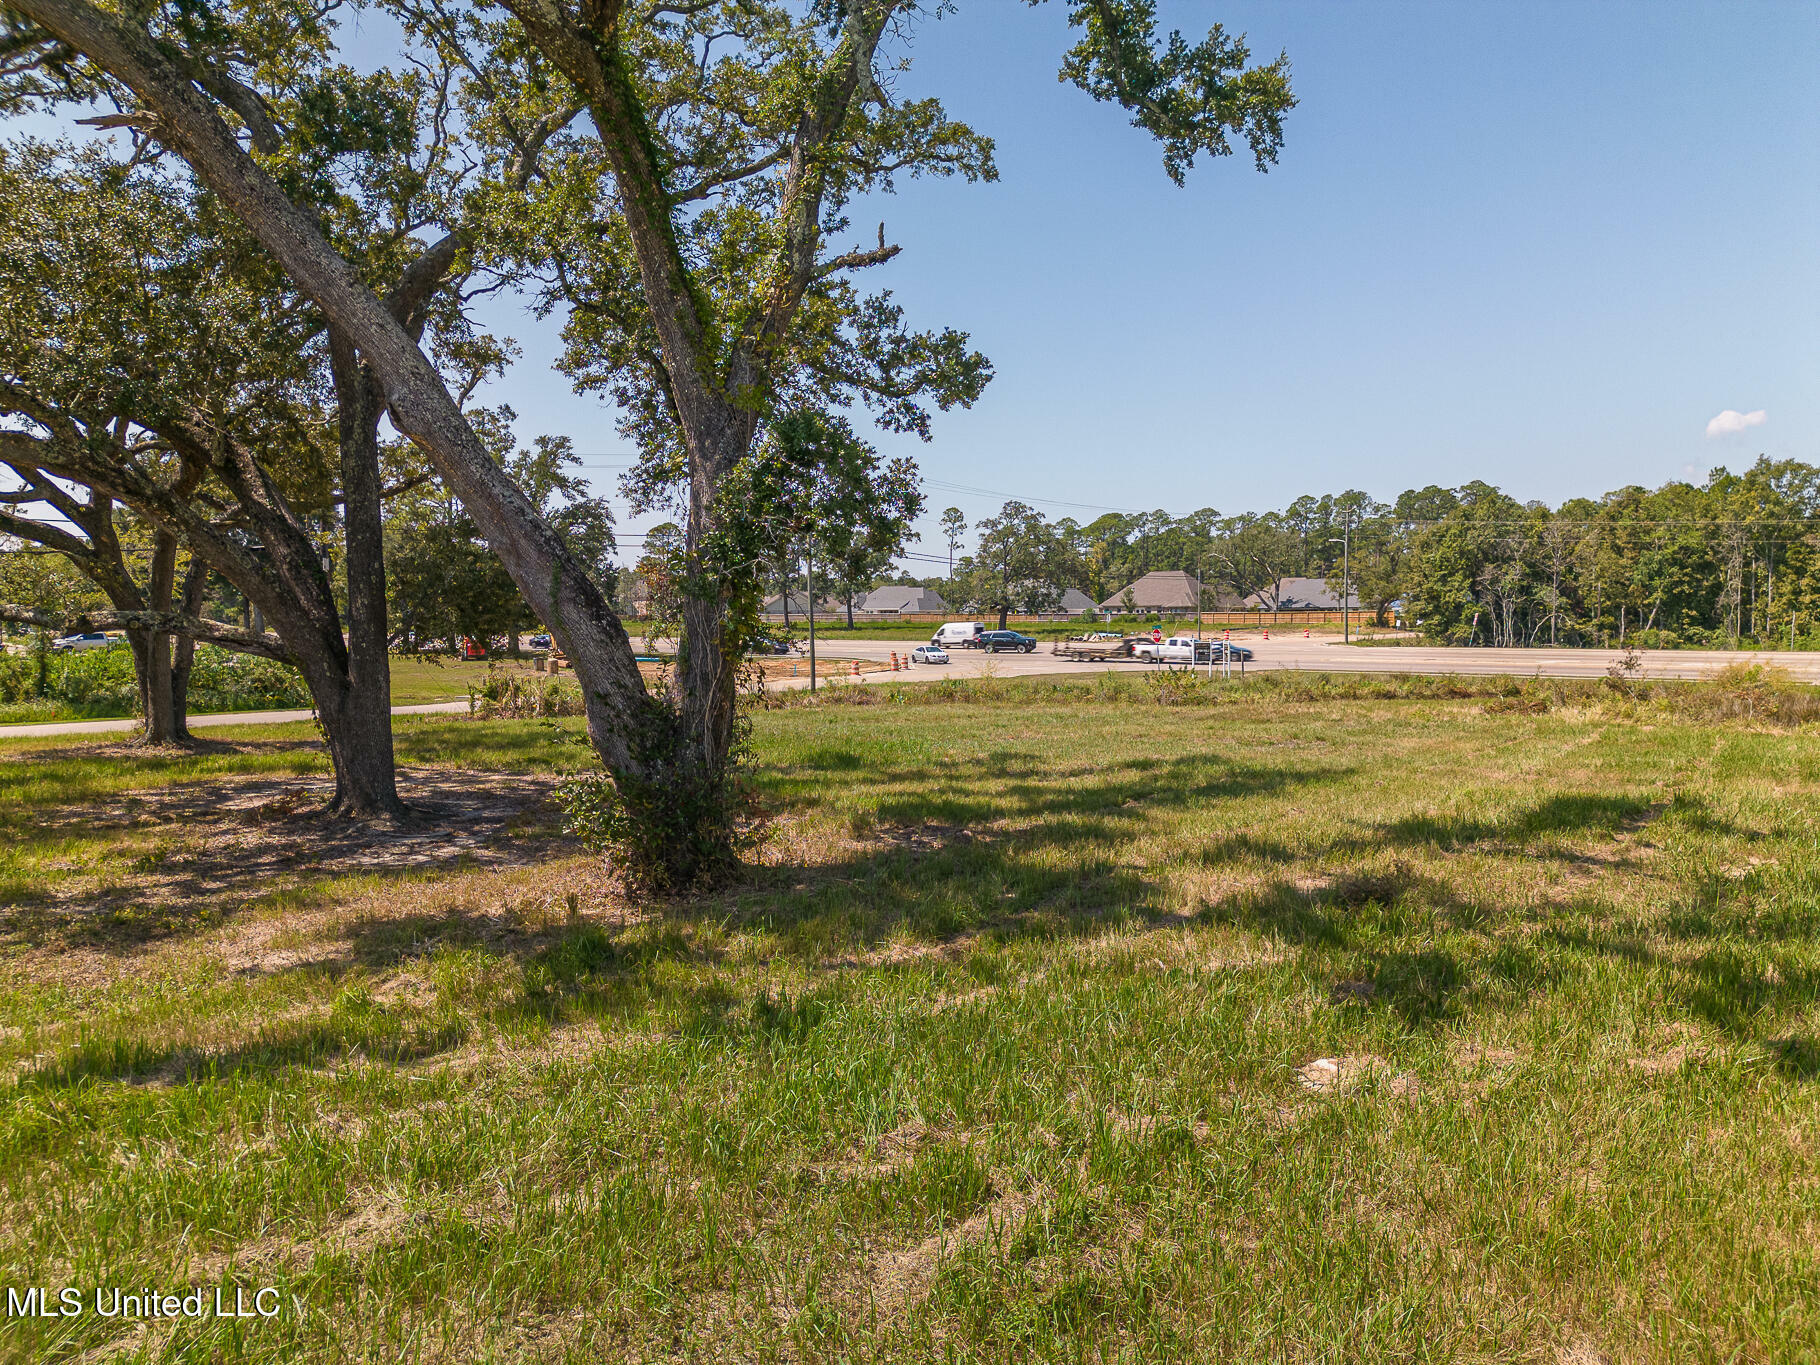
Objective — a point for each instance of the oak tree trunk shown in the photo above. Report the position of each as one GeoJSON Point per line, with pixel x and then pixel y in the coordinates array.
{"type": "Point", "coordinates": [155, 683]}
{"type": "Point", "coordinates": [365, 773]}
{"type": "Point", "coordinates": [183, 659]}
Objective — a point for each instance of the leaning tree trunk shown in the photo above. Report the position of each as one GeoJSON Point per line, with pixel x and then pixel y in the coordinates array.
{"type": "Point", "coordinates": [649, 747]}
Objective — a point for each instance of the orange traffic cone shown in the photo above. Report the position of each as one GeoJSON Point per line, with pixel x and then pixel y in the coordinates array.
{"type": "Point", "coordinates": [1266, 632]}
{"type": "Point", "coordinates": [856, 668]}
{"type": "Point", "coordinates": [1304, 632]}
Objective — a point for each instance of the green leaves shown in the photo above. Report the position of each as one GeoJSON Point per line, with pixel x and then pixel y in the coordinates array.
{"type": "Point", "coordinates": [1190, 97]}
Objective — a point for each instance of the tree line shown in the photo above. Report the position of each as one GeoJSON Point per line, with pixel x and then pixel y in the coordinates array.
{"type": "Point", "coordinates": [1731, 561]}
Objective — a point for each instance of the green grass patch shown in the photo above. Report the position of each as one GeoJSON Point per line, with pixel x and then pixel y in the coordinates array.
{"type": "Point", "coordinates": [1353, 1018]}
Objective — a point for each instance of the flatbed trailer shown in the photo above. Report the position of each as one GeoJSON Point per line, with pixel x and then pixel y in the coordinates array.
{"type": "Point", "coordinates": [1092, 650]}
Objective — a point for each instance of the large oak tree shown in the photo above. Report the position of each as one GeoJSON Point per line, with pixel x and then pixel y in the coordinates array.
{"type": "Point", "coordinates": [723, 138]}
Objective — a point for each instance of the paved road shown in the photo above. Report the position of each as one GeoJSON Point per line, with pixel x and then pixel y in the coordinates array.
{"type": "Point", "coordinates": [103, 727]}
{"type": "Point", "coordinates": [1331, 656]}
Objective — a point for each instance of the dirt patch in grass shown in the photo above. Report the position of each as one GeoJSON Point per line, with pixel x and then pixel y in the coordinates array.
{"type": "Point", "coordinates": [1666, 1063]}
{"type": "Point", "coordinates": [354, 1234]}
{"type": "Point", "coordinates": [191, 853]}
{"type": "Point", "coordinates": [888, 1154]}
{"type": "Point", "coordinates": [901, 1279]}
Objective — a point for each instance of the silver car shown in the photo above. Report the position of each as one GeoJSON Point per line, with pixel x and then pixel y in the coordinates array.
{"type": "Point", "coordinates": [92, 639]}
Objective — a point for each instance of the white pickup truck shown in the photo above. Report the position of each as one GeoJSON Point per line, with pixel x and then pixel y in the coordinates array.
{"type": "Point", "coordinates": [1177, 649]}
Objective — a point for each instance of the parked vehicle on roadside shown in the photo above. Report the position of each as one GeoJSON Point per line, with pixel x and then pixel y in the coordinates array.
{"type": "Point", "coordinates": [541, 640]}
{"type": "Point", "coordinates": [90, 639]}
{"type": "Point", "coordinates": [765, 644]}
{"type": "Point", "coordinates": [965, 634]}
{"type": "Point", "coordinates": [929, 654]}
{"type": "Point", "coordinates": [1007, 641]}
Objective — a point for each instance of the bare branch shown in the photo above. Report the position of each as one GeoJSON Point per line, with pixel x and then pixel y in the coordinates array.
{"type": "Point", "coordinates": [858, 260]}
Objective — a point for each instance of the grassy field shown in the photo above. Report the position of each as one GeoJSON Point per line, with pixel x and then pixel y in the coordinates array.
{"type": "Point", "coordinates": [1297, 1020]}
{"type": "Point", "coordinates": [441, 677]}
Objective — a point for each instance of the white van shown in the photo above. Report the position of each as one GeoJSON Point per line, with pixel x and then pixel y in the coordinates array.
{"type": "Point", "coordinates": [959, 635]}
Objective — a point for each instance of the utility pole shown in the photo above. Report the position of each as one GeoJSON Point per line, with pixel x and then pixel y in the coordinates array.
{"type": "Point", "coordinates": [809, 556]}
{"type": "Point", "coordinates": [1346, 579]}
{"type": "Point", "coordinates": [1200, 565]}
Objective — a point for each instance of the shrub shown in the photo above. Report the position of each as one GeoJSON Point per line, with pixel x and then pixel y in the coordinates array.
{"type": "Point", "coordinates": [1755, 693]}
{"type": "Point", "coordinates": [101, 682]}
{"type": "Point", "coordinates": [512, 695]}
{"type": "Point", "coordinates": [677, 824]}
{"type": "Point", "coordinates": [226, 680]}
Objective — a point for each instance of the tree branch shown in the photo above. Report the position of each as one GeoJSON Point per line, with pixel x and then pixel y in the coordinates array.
{"type": "Point", "coordinates": [858, 260]}
{"type": "Point", "coordinates": [266, 646]}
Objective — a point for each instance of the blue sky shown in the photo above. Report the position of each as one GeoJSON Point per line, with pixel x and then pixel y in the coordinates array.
{"type": "Point", "coordinates": [1543, 245]}
{"type": "Point", "coordinates": [1537, 244]}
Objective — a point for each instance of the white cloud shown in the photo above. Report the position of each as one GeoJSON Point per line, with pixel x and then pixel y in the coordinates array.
{"type": "Point", "coordinates": [1730, 423]}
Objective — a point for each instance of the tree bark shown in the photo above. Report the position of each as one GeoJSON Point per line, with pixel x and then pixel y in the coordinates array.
{"type": "Point", "coordinates": [183, 662]}
{"type": "Point", "coordinates": [366, 783]}
{"type": "Point", "coordinates": [157, 693]}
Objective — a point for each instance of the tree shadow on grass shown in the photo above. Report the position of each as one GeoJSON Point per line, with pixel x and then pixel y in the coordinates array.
{"type": "Point", "coordinates": [354, 1028]}
{"type": "Point", "coordinates": [1026, 785]}
{"type": "Point", "coordinates": [886, 898]}
{"type": "Point", "coordinates": [1731, 987]}
{"type": "Point", "coordinates": [1570, 813]}
{"type": "Point", "coordinates": [185, 857]}
{"type": "Point", "coordinates": [1345, 917]}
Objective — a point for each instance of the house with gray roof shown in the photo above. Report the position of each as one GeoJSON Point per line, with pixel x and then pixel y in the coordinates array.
{"type": "Point", "coordinates": [902, 599]}
{"type": "Point", "coordinates": [1301, 594]}
{"type": "Point", "coordinates": [1168, 592]}
{"type": "Point", "coordinates": [798, 605]}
